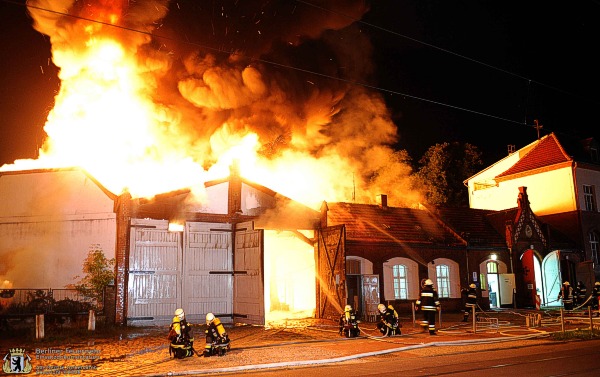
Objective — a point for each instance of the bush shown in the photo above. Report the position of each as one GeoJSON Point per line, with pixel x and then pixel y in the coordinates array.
{"type": "Point", "coordinates": [99, 272]}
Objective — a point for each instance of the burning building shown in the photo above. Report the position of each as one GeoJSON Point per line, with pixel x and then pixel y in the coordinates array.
{"type": "Point", "coordinates": [153, 121]}
{"type": "Point", "coordinates": [246, 255]}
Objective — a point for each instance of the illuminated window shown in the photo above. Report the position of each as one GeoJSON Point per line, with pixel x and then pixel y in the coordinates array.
{"type": "Point", "coordinates": [399, 278]}
{"type": "Point", "coordinates": [442, 272]}
{"type": "Point", "coordinates": [594, 247]}
{"type": "Point", "coordinates": [589, 197]}
{"type": "Point", "coordinates": [492, 267]}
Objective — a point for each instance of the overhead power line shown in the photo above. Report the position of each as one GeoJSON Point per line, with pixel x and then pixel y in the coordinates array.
{"type": "Point", "coordinates": [311, 72]}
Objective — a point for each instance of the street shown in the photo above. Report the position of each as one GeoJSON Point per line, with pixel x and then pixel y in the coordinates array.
{"type": "Point", "coordinates": [573, 358]}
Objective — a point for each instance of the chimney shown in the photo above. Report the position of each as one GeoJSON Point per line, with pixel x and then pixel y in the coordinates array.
{"type": "Point", "coordinates": [234, 202]}
{"type": "Point", "coordinates": [382, 201]}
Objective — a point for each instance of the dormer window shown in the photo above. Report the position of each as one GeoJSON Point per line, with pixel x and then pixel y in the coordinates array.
{"type": "Point", "coordinates": [594, 154]}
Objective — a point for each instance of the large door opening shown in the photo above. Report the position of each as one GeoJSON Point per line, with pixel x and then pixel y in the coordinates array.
{"type": "Point", "coordinates": [551, 280]}
{"type": "Point", "coordinates": [200, 269]}
{"type": "Point", "coordinates": [528, 284]}
{"type": "Point", "coordinates": [289, 275]}
{"type": "Point", "coordinates": [497, 285]}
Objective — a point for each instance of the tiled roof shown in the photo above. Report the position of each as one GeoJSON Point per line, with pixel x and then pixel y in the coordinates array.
{"type": "Point", "coordinates": [372, 223]}
{"type": "Point", "coordinates": [473, 225]}
{"type": "Point", "coordinates": [547, 152]}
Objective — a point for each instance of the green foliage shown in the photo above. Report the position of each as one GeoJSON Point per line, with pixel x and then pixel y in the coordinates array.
{"type": "Point", "coordinates": [442, 170]}
{"type": "Point", "coordinates": [99, 272]}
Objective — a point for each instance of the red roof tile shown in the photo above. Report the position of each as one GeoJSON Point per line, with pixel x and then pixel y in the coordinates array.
{"type": "Point", "coordinates": [547, 152]}
{"type": "Point", "coordinates": [472, 225]}
{"type": "Point", "coordinates": [372, 223]}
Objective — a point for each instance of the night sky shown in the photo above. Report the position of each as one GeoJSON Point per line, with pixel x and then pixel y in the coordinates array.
{"type": "Point", "coordinates": [477, 72]}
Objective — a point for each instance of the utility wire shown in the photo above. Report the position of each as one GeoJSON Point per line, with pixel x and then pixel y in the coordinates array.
{"type": "Point", "coordinates": [444, 50]}
{"type": "Point", "coordinates": [286, 66]}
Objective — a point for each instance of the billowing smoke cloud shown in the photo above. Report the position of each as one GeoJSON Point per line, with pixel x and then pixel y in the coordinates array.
{"type": "Point", "coordinates": [284, 70]}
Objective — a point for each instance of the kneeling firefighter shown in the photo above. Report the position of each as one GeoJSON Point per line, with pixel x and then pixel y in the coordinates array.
{"type": "Point", "coordinates": [217, 340]}
{"type": "Point", "coordinates": [388, 321]}
{"type": "Point", "coordinates": [349, 323]}
{"type": "Point", "coordinates": [180, 336]}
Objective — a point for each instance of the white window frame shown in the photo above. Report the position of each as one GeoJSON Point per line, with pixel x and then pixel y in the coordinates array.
{"type": "Point", "coordinates": [399, 278]}
{"type": "Point", "coordinates": [412, 278]}
{"type": "Point", "coordinates": [442, 274]}
{"type": "Point", "coordinates": [593, 247]}
{"type": "Point", "coordinates": [454, 275]}
{"type": "Point", "coordinates": [589, 198]}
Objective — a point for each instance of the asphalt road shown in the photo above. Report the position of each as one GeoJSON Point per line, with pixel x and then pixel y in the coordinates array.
{"type": "Point", "coordinates": [573, 358]}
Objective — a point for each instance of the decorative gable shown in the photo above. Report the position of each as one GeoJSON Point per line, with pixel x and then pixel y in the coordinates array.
{"type": "Point", "coordinates": [527, 227]}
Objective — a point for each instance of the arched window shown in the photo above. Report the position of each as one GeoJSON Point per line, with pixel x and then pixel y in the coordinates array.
{"type": "Point", "coordinates": [399, 278]}
{"type": "Point", "coordinates": [594, 247]}
{"type": "Point", "coordinates": [442, 272]}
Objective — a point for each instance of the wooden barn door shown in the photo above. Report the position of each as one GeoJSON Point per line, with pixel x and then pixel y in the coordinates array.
{"type": "Point", "coordinates": [208, 271]}
{"type": "Point", "coordinates": [248, 278]}
{"type": "Point", "coordinates": [154, 282]}
{"type": "Point", "coordinates": [330, 262]}
{"type": "Point", "coordinates": [195, 270]}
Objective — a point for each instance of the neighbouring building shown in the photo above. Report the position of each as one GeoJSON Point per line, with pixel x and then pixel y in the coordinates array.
{"type": "Point", "coordinates": [390, 251]}
{"type": "Point", "coordinates": [560, 176]}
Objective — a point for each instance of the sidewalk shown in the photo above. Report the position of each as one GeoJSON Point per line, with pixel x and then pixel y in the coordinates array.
{"type": "Point", "coordinates": [144, 351]}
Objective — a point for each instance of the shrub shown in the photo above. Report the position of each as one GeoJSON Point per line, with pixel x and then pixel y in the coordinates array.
{"type": "Point", "coordinates": [99, 272]}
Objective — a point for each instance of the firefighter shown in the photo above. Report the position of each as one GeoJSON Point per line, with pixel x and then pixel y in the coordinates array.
{"type": "Point", "coordinates": [349, 323]}
{"type": "Point", "coordinates": [470, 302]}
{"type": "Point", "coordinates": [180, 335]}
{"type": "Point", "coordinates": [596, 296]}
{"type": "Point", "coordinates": [566, 294]}
{"type": "Point", "coordinates": [429, 304]}
{"type": "Point", "coordinates": [217, 339]}
{"type": "Point", "coordinates": [389, 323]}
{"type": "Point", "coordinates": [580, 294]}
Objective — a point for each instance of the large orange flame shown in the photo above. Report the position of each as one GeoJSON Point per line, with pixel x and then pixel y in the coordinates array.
{"type": "Point", "coordinates": [110, 119]}
{"type": "Point", "coordinates": [141, 118]}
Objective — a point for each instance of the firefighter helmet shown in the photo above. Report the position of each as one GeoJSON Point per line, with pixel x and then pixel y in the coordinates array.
{"type": "Point", "coordinates": [180, 313]}
{"type": "Point", "coordinates": [348, 308]}
{"type": "Point", "coordinates": [381, 308]}
{"type": "Point", "coordinates": [566, 283]}
{"type": "Point", "coordinates": [472, 286]}
{"type": "Point", "coordinates": [209, 318]}
{"type": "Point", "coordinates": [428, 282]}
{"type": "Point", "coordinates": [597, 283]}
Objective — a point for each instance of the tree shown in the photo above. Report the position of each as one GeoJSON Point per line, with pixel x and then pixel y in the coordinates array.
{"type": "Point", "coordinates": [442, 170]}
{"type": "Point", "coordinates": [99, 272]}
